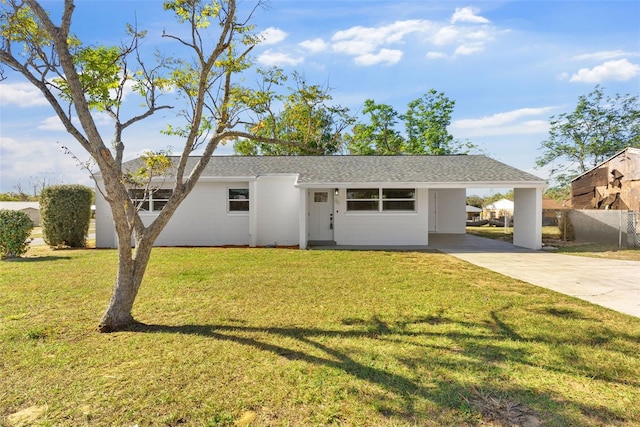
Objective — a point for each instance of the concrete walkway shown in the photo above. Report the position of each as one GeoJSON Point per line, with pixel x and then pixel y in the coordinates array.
{"type": "Point", "coordinates": [614, 284]}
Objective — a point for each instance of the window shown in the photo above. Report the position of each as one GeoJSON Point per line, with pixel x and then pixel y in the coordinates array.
{"type": "Point", "coordinates": [321, 197]}
{"type": "Point", "coordinates": [381, 199]}
{"type": "Point", "coordinates": [363, 199]}
{"type": "Point", "coordinates": [398, 199]}
{"type": "Point", "coordinates": [238, 200]}
{"type": "Point", "coordinates": [150, 200]}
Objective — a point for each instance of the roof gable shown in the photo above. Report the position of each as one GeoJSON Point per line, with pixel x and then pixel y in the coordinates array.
{"type": "Point", "coordinates": [632, 152]}
{"type": "Point", "coordinates": [501, 204]}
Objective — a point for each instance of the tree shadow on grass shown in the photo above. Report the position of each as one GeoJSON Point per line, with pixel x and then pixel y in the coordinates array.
{"type": "Point", "coordinates": [483, 348]}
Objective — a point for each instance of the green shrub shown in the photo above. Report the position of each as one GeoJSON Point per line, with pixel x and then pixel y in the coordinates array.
{"type": "Point", "coordinates": [15, 227]}
{"type": "Point", "coordinates": [65, 213]}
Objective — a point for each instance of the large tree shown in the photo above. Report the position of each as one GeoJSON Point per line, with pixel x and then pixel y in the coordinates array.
{"type": "Point", "coordinates": [598, 127]}
{"type": "Point", "coordinates": [79, 79]}
{"type": "Point", "coordinates": [379, 135]}
{"type": "Point", "coordinates": [425, 122]}
{"type": "Point", "coordinates": [307, 118]}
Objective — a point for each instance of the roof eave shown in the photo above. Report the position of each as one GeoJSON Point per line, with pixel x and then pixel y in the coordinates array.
{"type": "Point", "coordinates": [457, 184]}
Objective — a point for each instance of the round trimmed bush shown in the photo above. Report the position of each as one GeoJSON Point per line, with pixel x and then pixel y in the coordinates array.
{"type": "Point", "coordinates": [15, 227]}
{"type": "Point", "coordinates": [65, 214]}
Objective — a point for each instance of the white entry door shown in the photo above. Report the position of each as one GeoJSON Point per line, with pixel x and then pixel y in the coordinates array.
{"type": "Point", "coordinates": [320, 214]}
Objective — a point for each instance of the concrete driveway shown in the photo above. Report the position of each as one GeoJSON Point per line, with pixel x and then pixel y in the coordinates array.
{"type": "Point", "coordinates": [614, 284]}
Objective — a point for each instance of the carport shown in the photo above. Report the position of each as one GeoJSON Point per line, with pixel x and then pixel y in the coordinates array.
{"type": "Point", "coordinates": [436, 187]}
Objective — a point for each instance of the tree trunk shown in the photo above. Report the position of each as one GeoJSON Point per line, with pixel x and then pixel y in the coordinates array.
{"type": "Point", "coordinates": [131, 268]}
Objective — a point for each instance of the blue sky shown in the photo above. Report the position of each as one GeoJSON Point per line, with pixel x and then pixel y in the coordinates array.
{"type": "Point", "coordinates": [508, 65]}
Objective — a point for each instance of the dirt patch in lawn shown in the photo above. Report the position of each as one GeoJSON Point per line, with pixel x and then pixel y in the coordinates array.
{"type": "Point", "coordinates": [27, 416]}
{"type": "Point", "coordinates": [504, 412]}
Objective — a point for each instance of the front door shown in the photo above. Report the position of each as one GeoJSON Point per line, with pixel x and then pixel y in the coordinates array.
{"type": "Point", "coordinates": [320, 215]}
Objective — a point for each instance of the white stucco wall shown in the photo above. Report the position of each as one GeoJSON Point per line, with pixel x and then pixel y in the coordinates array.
{"type": "Point", "coordinates": [201, 220]}
{"type": "Point", "coordinates": [381, 228]}
{"type": "Point", "coordinates": [447, 208]}
{"type": "Point", "coordinates": [105, 233]}
{"type": "Point", "coordinates": [277, 203]}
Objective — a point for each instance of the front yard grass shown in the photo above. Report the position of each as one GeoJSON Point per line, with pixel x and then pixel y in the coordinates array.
{"type": "Point", "coordinates": [289, 337]}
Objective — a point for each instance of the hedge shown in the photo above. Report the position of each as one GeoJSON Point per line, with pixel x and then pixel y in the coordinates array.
{"type": "Point", "coordinates": [15, 228]}
{"type": "Point", "coordinates": [65, 214]}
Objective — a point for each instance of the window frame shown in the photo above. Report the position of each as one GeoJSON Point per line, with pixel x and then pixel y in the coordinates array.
{"type": "Point", "coordinates": [378, 197]}
{"type": "Point", "coordinates": [386, 199]}
{"type": "Point", "coordinates": [146, 202]}
{"type": "Point", "coordinates": [231, 201]}
{"type": "Point", "coordinates": [370, 197]}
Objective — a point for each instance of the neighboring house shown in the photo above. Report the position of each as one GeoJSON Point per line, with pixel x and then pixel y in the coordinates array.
{"type": "Point", "coordinates": [551, 209]}
{"type": "Point", "coordinates": [30, 208]}
{"type": "Point", "coordinates": [473, 213]}
{"type": "Point", "coordinates": [342, 200]}
{"type": "Point", "coordinates": [499, 209]}
{"type": "Point", "coordinates": [613, 184]}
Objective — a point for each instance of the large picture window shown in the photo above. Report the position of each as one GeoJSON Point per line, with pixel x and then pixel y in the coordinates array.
{"type": "Point", "coordinates": [150, 200]}
{"type": "Point", "coordinates": [238, 200]}
{"type": "Point", "coordinates": [381, 199]}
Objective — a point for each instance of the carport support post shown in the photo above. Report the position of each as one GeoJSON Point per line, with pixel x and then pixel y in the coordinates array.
{"type": "Point", "coordinates": [527, 218]}
{"type": "Point", "coordinates": [302, 216]}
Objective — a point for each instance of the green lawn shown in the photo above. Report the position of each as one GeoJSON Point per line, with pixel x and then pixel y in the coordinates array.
{"type": "Point", "coordinates": [288, 337]}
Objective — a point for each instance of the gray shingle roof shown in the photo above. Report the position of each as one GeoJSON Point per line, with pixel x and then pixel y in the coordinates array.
{"type": "Point", "coordinates": [366, 169]}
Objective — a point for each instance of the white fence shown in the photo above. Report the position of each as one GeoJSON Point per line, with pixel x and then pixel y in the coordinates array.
{"type": "Point", "coordinates": [613, 227]}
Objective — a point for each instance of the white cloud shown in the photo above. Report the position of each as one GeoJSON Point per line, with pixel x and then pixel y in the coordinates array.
{"type": "Point", "coordinates": [386, 56]}
{"type": "Point", "coordinates": [278, 58]}
{"type": "Point", "coordinates": [480, 35]}
{"type": "Point", "coordinates": [364, 42]}
{"type": "Point", "coordinates": [272, 35]}
{"type": "Point", "coordinates": [516, 122]}
{"type": "Point", "coordinates": [468, 14]}
{"type": "Point", "coordinates": [604, 55]}
{"type": "Point", "coordinates": [436, 55]}
{"type": "Point", "coordinates": [501, 119]}
{"type": "Point", "coordinates": [446, 35]}
{"type": "Point", "coordinates": [526, 127]}
{"type": "Point", "coordinates": [468, 49]}
{"type": "Point", "coordinates": [23, 159]}
{"type": "Point", "coordinates": [466, 39]}
{"type": "Point", "coordinates": [23, 95]}
{"type": "Point", "coordinates": [620, 70]}
{"type": "Point", "coordinates": [375, 45]}
{"type": "Point", "coordinates": [315, 45]}
{"type": "Point", "coordinates": [52, 123]}
{"type": "Point", "coordinates": [127, 90]}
